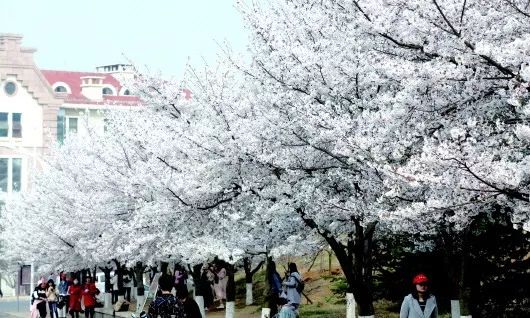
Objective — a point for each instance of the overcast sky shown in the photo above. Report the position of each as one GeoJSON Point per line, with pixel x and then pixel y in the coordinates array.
{"type": "Point", "coordinates": [161, 34]}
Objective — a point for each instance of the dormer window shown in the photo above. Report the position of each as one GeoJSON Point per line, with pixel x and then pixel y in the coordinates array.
{"type": "Point", "coordinates": [127, 92]}
{"type": "Point", "coordinates": [107, 91]}
{"type": "Point", "coordinates": [61, 89]}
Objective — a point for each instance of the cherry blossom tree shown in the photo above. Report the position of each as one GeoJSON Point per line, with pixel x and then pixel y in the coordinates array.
{"type": "Point", "coordinates": [347, 119]}
{"type": "Point", "coordinates": [362, 98]}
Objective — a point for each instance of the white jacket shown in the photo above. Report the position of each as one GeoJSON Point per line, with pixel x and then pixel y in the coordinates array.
{"type": "Point", "coordinates": [410, 308]}
{"type": "Point", "coordinates": [293, 295]}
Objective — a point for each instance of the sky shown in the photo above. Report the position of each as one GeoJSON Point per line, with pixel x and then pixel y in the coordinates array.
{"type": "Point", "coordinates": [162, 35]}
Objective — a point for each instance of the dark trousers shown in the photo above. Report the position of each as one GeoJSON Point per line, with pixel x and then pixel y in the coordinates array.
{"type": "Point", "coordinates": [128, 293]}
{"type": "Point", "coordinates": [53, 309]}
{"type": "Point", "coordinates": [273, 303]}
{"type": "Point", "coordinates": [114, 296]}
{"type": "Point", "coordinates": [65, 299]}
{"type": "Point", "coordinates": [89, 312]}
{"type": "Point", "coordinates": [41, 307]}
{"type": "Point", "coordinates": [74, 314]}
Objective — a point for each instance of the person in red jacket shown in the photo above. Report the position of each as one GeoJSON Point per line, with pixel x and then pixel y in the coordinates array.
{"type": "Point", "coordinates": [74, 302]}
{"type": "Point", "coordinates": [89, 297]}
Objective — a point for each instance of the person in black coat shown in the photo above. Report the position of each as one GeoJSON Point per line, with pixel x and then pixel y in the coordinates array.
{"type": "Point", "coordinates": [190, 305]}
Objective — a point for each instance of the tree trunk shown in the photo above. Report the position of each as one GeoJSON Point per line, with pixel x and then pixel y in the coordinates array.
{"type": "Point", "coordinates": [249, 276]}
{"type": "Point", "coordinates": [231, 284]}
{"type": "Point", "coordinates": [354, 258]}
{"type": "Point", "coordinates": [356, 264]}
{"type": "Point", "coordinates": [163, 267]}
{"type": "Point", "coordinates": [330, 258]}
{"type": "Point", "coordinates": [364, 298]}
{"type": "Point", "coordinates": [269, 305]}
{"type": "Point", "coordinates": [152, 274]}
{"type": "Point", "coordinates": [454, 247]}
{"type": "Point", "coordinates": [106, 271]}
{"type": "Point", "coordinates": [139, 270]}
{"type": "Point", "coordinates": [196, 273]}
{"type": "Point", "coordinates": [230, 291]}
{"type": "Point", "coordinates": [200, 285]}
{"type": "Point", "coordinates": [119, 272]}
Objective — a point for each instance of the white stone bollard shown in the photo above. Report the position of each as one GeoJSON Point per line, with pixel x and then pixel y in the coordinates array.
{"type": "Point", "coordinates": [250, 297]}
{"type": "Point", "coordinates": [230, 311]}
{"type": "Point", "coordinates": [139, 303]}
{"type": "Point", "coordinates": [107, 300]}
{"type": "Point", "coordinates": [350, 305]}
{"type": "Point", "coordinates": [455, 308]}
{"type": "Point", "coordinates": [265, 313]}
{"type": "Point", "coordinates": [200, 303]}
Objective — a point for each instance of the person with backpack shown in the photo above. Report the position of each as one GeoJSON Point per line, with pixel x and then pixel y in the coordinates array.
{"type": "Point", "coordinates": [294, 286]}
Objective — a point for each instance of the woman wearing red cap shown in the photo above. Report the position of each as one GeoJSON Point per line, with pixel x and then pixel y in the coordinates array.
{"type": "Point", "coordinates": [420, 303]}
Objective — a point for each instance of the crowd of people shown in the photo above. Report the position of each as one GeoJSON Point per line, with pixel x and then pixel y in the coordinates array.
{"type": "Point", "coordinates": [68, 294]}
{"type": "Point", "coordinates": [216, 277]}
{"type": "Point", "coordinates": [173, 299]}
{"type": "Point", "coordinates": [285, 293]}
{"type": "Point", "coordinates": [167, 305]}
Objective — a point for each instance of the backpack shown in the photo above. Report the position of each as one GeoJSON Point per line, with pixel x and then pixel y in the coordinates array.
{"type": "Point", "coordinates": [300, 285]}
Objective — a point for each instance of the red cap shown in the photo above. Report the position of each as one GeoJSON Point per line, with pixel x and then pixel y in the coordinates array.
{"type": "Point", "coordinates": [420, 279]}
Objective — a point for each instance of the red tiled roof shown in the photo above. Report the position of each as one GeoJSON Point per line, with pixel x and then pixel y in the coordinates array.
{"type": "Point", "coordinates": [73, 80]}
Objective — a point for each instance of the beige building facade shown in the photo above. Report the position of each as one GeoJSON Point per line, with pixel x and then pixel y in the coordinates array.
{"type": "Point", "coordinates": [39, 108]}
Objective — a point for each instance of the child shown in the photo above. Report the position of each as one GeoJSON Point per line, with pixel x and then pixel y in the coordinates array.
{"type": "Point", "coordinates": [285, 310]}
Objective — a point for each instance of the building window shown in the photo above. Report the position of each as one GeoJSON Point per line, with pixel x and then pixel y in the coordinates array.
{"type": "Point", "coordinates": [71, 125]}
{"type": "Point", "coordinates": [61, 89]}
{"type": "Point", "coordinates": [4, 178]}
{"type": "Point", "coordinates": [16, 174]}
{"type": "Point", "coordinates": [107, 91]}
{"type": "Point", "coordinates": [10, 174]}
{"type": "Point", "coordinates": [10, 88]}
{"type": "Point", "coordinates": [17, 125]}
{"type": "Point", "coordinates": [11, 125]}
{"type": "Point", "coordinates": [127, 92]}
{"type": "Point", "coordinates": [4, 124]}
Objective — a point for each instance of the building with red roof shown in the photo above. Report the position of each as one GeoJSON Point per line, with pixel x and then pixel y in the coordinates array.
{"type": "Point", "coordinates": [39, 108]}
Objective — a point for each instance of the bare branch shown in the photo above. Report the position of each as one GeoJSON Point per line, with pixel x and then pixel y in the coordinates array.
{"type": "Point", "coordinates": [455, 32]}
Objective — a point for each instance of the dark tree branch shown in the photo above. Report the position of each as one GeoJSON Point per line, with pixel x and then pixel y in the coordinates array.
{"type": "Point", "coordinates": [455, 32]}
{"type": "Point", "coordinates": [519, 10]}
{"type": "Point", "coordinates": [512, 193]}
{"type": "Point", "coordinates": [236, 191]}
